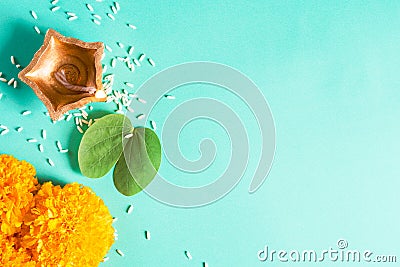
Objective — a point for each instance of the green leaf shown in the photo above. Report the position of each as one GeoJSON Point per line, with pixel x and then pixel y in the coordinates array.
{"type": "Point", "coordinates": [101, 145]}
{"type": "Point", "coordinates": [139, 163]}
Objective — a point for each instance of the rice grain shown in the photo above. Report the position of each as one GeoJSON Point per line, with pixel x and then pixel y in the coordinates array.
{"type": "Point", "coordinates": [141, 100]}
{"type": "Point", "coordinates": [153, 125]}
{"type": "Point", "coordinates": [4, 132]}
{"type": "Point", "coordinates": [137, 62]}
{"type": "Point", "coordinates": [129, 84]}
{"type": "Point", "coordinates": [131, 48]}
{"type": "Point", "coordinates": [68, 117]}
{"type": "Point", "coordinates": [147, 235]}
{"type": "Point", "coordinates": [34, 15]}
{"type": "Point", "coordinates": [108, 48]}
{"type": "Point", "coordinates": [140, 116]}
{"type": "Point", "coordinates": [89, 7]}
{"type": "Point", "coordinates": [37, 29]}
{"type": "Point", "coordinates": [141, 57]}
{"type": "Point", "coordinates": [130, 209]}
{"type": "Point", "coordinates": [120, 252]}
{"type": "Point", "coordinates": [133, 27]}
{"type": "Point", "coordinates": [188, 255]}
{"type": "Point", "coordinates": [55, 8]}
{"type": "Point", "coordinates": [51, 163]}
{"type": "Point", "coordinates": [169, 97]}
{"type": "Point", "coordinates": [11, 81]}
{"type": "Point", "coordinates": [79, 129]}
{"type": "Point", "coordinates": [58, 144]}
{"type": "Point", "coordinates": [128, 135]}
{"type": "Point", "coordinates": [152, 63]}
{"type": "Point", "coordinates": [111, 16]}
{"type": "Point", "coordinates": [117, 7]}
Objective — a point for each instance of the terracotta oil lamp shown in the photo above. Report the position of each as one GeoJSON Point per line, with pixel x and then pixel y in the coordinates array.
{"type": "Point", "coordinates": [65, 73]}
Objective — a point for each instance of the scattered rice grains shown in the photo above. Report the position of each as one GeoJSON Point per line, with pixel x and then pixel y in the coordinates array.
{"type": "Point", "coordinates": [46, 225]}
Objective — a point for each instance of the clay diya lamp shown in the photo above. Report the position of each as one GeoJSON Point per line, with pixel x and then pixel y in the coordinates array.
{"type": "Point", "coordinates": [65, 73]}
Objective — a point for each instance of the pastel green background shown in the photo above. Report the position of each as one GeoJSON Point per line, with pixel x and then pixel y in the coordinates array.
{"type": "Point", "coordinates": [330, 72]}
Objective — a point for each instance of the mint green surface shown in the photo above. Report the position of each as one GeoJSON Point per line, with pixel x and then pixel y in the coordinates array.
{"type": "Point", "coordinates": [330, 72]}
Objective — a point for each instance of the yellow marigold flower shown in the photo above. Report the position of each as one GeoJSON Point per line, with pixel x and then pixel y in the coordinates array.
{"type": "Point", "coordinates": [69, 223]}
{"type": "Point", "coordinates": [17, 186]}
{"type": "Point", "coordinates": [68, 226]}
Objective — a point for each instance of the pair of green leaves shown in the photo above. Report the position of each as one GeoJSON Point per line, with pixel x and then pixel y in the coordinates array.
{"type": "Point", "coordinates": [136, 152]}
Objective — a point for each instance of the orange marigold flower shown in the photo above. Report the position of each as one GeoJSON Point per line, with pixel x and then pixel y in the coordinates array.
{"type": "Point", "coordinates": [17, 186]}
{"type": "Point", "coordinates": [55, 226]}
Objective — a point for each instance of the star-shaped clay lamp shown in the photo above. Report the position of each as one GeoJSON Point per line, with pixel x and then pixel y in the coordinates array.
{"type": "Point", "coordinates": [65, 73]}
